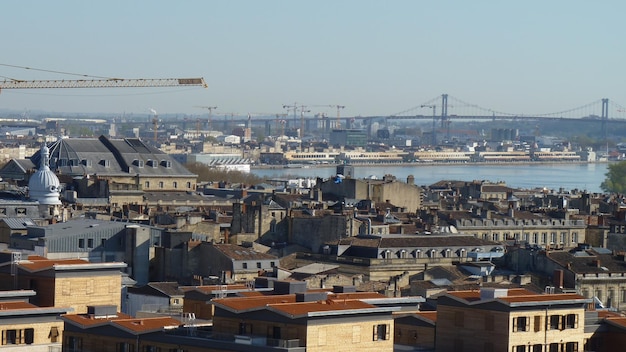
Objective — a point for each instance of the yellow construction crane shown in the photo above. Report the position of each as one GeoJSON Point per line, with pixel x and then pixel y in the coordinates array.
{"type": "Point", "coordinates": [102, 83]}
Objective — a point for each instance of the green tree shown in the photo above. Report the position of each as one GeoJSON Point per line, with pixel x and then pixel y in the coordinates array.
{"type": "Point", "coordinates": [615, 180]}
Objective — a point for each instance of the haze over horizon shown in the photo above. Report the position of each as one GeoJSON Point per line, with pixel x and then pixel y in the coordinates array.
{"type": "Point", "coordinates": [374, 58]}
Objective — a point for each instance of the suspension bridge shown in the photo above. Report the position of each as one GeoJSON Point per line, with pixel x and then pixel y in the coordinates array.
{"type": "Point", "coordinates": [443, 110]}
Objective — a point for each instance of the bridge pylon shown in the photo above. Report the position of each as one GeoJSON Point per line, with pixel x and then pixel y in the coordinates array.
{"type": "Point", "coordinates": [605, 116]}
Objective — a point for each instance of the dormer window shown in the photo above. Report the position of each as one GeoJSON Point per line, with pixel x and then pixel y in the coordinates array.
{"type": "Point", "coordinates": [86, 162]}
{"type": "Point", "coordinates": [138, 163]}
{"type": "Point", "coordinates": [105, 162]}
{"type": "Point", "coordinates": [166, 163]}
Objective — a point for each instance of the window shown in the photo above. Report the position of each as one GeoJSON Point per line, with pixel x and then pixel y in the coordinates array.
{"type": "Point", "coordinates": [537, 323]}
{"type": "Point", "coordinates": [553, 347]}
{"type": "Point", "coordinates": [258, 265]}
{"type": "Point", "coordinates": [520, 348]}
{"type": "Point", "coordinates": [74, 344]}
{"type": "Point", "coordinates": [535, 237]}
{"type": "Point", "coordinates": [570, 321]}
{"type": "Point", "coordinates": [81, 243]}
{"type": "Point", "coordinates": [29, 336]}
{"type": "Point", "coordinates": [150, 348]}
{"type": "Point", "coordinates": [544, 237]}
{"type": "Point", "coordinates": [272, 264]}
{"type": "Point", "coordinates": [574, 237]}
{"type": "Point", "coordinates": [244, 328]}
{"type": "Point", "coordinates": [90, 243]}
{"type": "Point", "coordinates": [146, 184]}
{"type": "Point", "coordinates": [53, 334]}
{"type": "Point", "coordinates": [554, 322]}
{"type": "Point", "coordinates": [175, 184]}
{"type": "Point", "coordinates": [381, 332]}
{"type": "Point", "coordinates": [520, 324]}
{"type": "Point", "coordinates": [161, 184]}
{"type": "Point", "coordinates": [245, 265]}
{"type": "Point", "coordinates": [571, 347]}
{"type": "Point", "coordinates": [537, 348]}
{"type": "Point", "coordinates": [188, 184]}
{"type": "Point", "coordinates": [124, 347]}
{"type": "Point", "coordinates": [9, 337]}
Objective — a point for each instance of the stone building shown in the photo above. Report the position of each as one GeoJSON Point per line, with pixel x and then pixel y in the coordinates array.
{"type": "Point", "coordinates": [492, 319]}
{"type": "Point", "coordinates": [405, 195]}
{"type": "Point", "coordinates": [72, 283]}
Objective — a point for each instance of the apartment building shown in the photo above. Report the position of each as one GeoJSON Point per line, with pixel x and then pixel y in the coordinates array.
{"type": "Point", "coordinates": [26, 327]}
{"type": "Point", "coordinates": [72, 283]}
{"type": "Point", "coordinates": [517, 320]}
{"type": "Point", "coordinates": [318, 321]}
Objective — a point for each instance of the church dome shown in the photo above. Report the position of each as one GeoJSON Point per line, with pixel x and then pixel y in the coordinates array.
{"type": "Point", "coordinates": [44, 185]}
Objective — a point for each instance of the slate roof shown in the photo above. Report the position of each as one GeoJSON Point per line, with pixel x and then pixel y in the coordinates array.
{"type": "Point", "coordinates": [242, 253]}
{"type": "Point", "coordinates": [18, 223]}
{"type": "Point", "coordinates": [590, 262]}
{"type": "Point", "coordinates": [87, 156]}
{"type": "Point", "coordinates": [163, 289]}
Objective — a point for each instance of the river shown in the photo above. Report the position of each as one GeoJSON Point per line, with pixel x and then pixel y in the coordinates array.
{"type": "Point", "coordinates": [553, 176]}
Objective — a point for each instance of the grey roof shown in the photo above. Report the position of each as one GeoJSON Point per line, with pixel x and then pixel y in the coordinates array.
{"type": "Point", "coordinates": [18, 223]}
{"type": "Point", "coordinates": [104, 156]}
{"type": "Point", "coordinates": [79, 227]}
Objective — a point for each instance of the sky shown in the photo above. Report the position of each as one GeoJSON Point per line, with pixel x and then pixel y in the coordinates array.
{"type": "Point", "coordinates": [373, 57]}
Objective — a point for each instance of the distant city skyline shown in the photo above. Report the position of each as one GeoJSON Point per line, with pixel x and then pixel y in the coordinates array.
{"type": "Point", "coordinates": [374, 58]}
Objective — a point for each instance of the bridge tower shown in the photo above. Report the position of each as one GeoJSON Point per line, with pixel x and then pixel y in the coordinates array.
{"type": "Point", "coordinates": [445, 121]}
{"type": "Point", "coordinates": [605, 116]}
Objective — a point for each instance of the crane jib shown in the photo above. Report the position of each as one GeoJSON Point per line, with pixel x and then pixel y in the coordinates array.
{"type": "Point", "coordinates": [103, 83]}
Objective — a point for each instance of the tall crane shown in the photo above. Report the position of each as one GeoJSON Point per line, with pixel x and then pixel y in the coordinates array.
{"type": "Point", "coordinates": [338, 107]}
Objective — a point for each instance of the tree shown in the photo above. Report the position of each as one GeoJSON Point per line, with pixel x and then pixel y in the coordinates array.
{"type": "Point", "coordinates": [615, 180]}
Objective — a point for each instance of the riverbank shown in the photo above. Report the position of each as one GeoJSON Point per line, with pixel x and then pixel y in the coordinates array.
{"type": "Point", "coordinates": [417, 164]}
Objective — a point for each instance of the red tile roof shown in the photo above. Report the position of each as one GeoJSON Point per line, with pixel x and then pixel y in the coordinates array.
{"type": "Point", "coordinates": [86, 320]}
{"type": "Point", "coordinates": [430, 315]}
{"type": "Point", "coordinates": [35, 263]}
{"type": "Point", "coordinates": [303, 308]}
{"type": "Point", "coordinates": [146, 324]}
{"type": "Point", "coordinates": [13, 305]}
{"type": "Point", "coordinates": [517, 295]}
{"type": "Point", "coordinates": [248, 303]}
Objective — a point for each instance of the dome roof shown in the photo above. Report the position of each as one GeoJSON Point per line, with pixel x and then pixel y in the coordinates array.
{"type": "Point", "coordinates": [44, 185]}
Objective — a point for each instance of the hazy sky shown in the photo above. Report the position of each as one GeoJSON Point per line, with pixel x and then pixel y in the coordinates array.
{"type": "Point", "coordinates": [374, 57]}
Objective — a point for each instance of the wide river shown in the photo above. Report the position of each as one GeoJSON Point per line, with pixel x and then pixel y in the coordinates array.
{"type": "Point", "coordinates": [553, 176]}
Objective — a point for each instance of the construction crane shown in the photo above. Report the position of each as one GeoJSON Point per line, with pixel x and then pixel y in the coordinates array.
{"type": "Point", "coordinates": [338, 107]}
{"type": "Point", "coordinates": [210, 108]}
{"type": "Point", "coordinates": [102, 83]}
